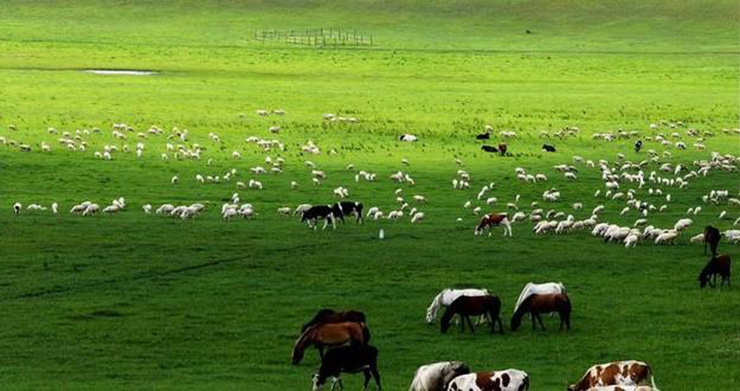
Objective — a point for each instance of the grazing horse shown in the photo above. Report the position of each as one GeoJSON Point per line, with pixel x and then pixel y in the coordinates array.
{"type": "Point", "coordinates": [717, 265]}
{"type": "Point", "coordinates": [348, 359]}
{"type": "Point", "coordinates": [328, 315]}
{"type": "Point", "coordinates": [711, 238]}
{"type": "Point", "coordinates": [490, 306]}
{"type": "Point", "coordinates": [538, 304]}
{"type": "Point", "coordinates": [493, 220]}
{"type": "Point", "coordinates": [437, 376]}
{"type": "Point", "coordinates": [328, 334]}
{"type": "Point", "coordinates": [539, 289]}
{"type": "Point", "coordinates": [447, 296]}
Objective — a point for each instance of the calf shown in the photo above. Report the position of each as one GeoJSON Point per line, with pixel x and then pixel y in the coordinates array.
{"type": "Point", "coordinates": [548, 148]}
{"type": "Point", "coordinates": [618, 373]}
{"type": "Point", "coordinates": [488, 148]}
{"type": "Point", "coordinates": [437, 376]}
{"type": "Point", "coordinates": [314, 213]}
{"type": "Point", "coordinates": [717, 265]}
{"type": "Point", "coordinates": [507, 380]}
{"type": "Point", "coordinates": [348, 359]}
{"type": "Point", "coordinates": [346, 208]}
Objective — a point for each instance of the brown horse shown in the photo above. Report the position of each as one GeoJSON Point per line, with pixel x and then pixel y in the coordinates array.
{"type": "Point", "coordinates": [538, 304]}
{"type": "Point", "coordinates": [719, 265]}
{"type": "Point", "coordinates": [489, 305]}
{"type": "Point", "coordinates": [328, 334]}
{"type": "Point", "coordinates": [327, 315]}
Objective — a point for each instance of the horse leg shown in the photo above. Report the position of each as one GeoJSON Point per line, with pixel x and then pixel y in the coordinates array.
{"type": "Point", "coordinates": [376, 375]}
{"type": "Point", "coordinates": [470, 323]}
{"type": "Point", "coordinates": [539, 318]}
{"type": "Point", "coordinates": [500, 325]}
{"type": "Point", "coordinates": [367, 379]}
{"type": "Point", "coordinates": [534, 322]}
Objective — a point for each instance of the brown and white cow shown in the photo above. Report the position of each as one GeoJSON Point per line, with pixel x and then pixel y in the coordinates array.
{"type": "Point", "coordinates": [507, 380]}
{"type": "Point", "coordinates": [623, 388]}
{"type": "Point", "coordinates": [493, 220]}
{"type": "Point", "coordinates": [618, 373]}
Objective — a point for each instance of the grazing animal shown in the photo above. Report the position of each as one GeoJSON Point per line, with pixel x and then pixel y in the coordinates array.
{"type": "Point", "coordinates": [712, 237]}
{"type": "Point", "coordinates": [483, 136]}
{"type": "Point", "coordinates": [348, 359]}
{"type": "Point", "coordinates": [493, 220]}
{"type": "Point", "coordinates": [502, 149]}
{"type": "Point", "coordinates": [539, 289]}
{"type": "Point", "coordinates": [618, 373]}
{"type": "Point", "coordinates": [319, 212]}
{"type": "Point", "coordinates": [437, 376]}
{"type": "Point", "coordinates": [447, 297]}
{"type": "Point", "coordinates": [489, 148]}
{"type": "Point", "coordinates": [506, 380]}
{"type": "Point", "coordinates": [490, 306]}
{"type": "Point", "coordinates": [408, 138]}
{"type": "Point", "coordinates": [717, 265]}
{"type": "Point", "coordinates": [623, 388]}
{"type": "Point", "coordinates": [638, 146]}
{"type": "Point", "coordinates": [548, 148]}
{"type": "Point", "coordinates": [328, 334]}
{"type": "Point", "coordinates": [328, 315]}
{"type": "Point", "coordinates": [538, 304]}
{"type": "Point", "coordinates": [346, 208]}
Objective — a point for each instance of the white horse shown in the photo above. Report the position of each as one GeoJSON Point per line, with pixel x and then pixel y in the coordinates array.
{"type": "Point", "coordinates": [447, 296]}
{"type": "Point", "coordinates": [539, 289]}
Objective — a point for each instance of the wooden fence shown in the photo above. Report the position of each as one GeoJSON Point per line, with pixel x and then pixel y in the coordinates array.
{"type": "Point", "coordinates": [315, 37]}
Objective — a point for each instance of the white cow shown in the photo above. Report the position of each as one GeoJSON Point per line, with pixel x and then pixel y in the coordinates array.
{"type": "Point", "coordinates": [506, 380]}
{"type": "Point", "coordinates": [436, 377]}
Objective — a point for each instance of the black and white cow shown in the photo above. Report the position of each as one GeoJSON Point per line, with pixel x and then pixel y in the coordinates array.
{"type": "Point", "coordinates": [319, 212]}
{"type": "Point", "coordinates": [548, 148]}
{"type": "Point", "coordinates": [347, 208]}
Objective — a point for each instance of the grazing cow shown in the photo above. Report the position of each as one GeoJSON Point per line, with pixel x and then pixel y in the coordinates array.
{"type": "Point", "coordinates": [348, 359]}
{"type": "Point", "coordinates": [502, 149]}
{"type": "Point", "coordinates": [717, 265]}
{"type": "Point", "coordinates": [488, 148]}
{"type": "Point", "coordinates": [488, 306]}
{"type": "Point", "coordinates": [548, 148]}
{"type": "Point", "coordinates": [638, 145]}
{"type": "Point", "coordinates": [483, 136]}
{"type": "Point", "coordinates": [618, 373]}
{"type": "Point", "coordinates": [493, 220]}
{"type": "Point", "coordinates": [437, 376]}
{"type": "Point", "coordinates": [315, 213]}
{"type": "Point", "coordinates": [507, 380]}
{"type": "Point", "coordinates": [623, 388]}
{"type": "Point", "coordinates": [346, 208]}
{"type": "Point", "coordinates": [711, 238]}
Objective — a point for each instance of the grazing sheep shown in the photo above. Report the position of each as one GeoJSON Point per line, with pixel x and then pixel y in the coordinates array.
{"type": "Point", "coordinates": [417, 217]}
{"type": "Point", "coordinates": [256, 185]}
{"type": "Point", "coordinates": [420, 199]}
{"type": "Point", "coordinates": [301, 208]}
{"type": "Point", "coordinates": [667, 237]}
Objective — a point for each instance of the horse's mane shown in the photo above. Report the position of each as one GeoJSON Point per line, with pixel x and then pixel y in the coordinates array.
{"type": "Point", "coordinates": [317, 318]}
{"type": "Point", "coordinates": [522, 309]}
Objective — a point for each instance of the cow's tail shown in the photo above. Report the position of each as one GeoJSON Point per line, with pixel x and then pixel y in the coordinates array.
{"type": "Point", "coordinates": [652, 379]}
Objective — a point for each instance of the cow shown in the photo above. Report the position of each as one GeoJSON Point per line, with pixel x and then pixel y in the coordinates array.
{"type": "Point", "coordinates": [493, 220]}
{"type": "Point", "coordinates": [711, 238]}
{"type": "Point", "coordinates": [348, 359]}
{"type": "Point", "coordinates": [618, 373]}
{"type": "Point", "coordinates": [319, 212]}
{"type": "Point", "coordinates": [638, 146]}
{"type": "Point", "coordinates": [548, 148]}
{"type": "Point", "coordinates": [489, 148]}
{"type": "Point", "coordinates": [717, 265]}
{"type": "Point", "coordinates": [623, 388]}
{"type": "Point", "coordinates": [483, 136]}
{"type": "Point", "coordinates": [507, 380]}
{"type": "Point", "coordinates": [437, 376]}
{"type": "Point", "coordinates": [346, 208]}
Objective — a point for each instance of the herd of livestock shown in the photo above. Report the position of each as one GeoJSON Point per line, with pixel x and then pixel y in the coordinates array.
{"type": "Point", "coordinates": [644, 187]}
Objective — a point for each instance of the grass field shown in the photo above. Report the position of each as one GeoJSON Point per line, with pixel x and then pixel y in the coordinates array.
{"type": "Point", "coordinates": [136, 301]}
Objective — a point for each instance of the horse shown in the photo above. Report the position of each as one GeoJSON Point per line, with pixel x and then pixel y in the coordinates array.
{"type": "Point", "coordinates": [539, 289]}
{"type": "Point", "coordinates": [489, 305]}
{"type": "Point", "coordinates": [717, 265]}
{"type": "Point", "coordinates": [447, 296]}
{"type": "Point", "coordinates": [437, 376]}
{"type": "Point", "coordinates": [538, 304]}
{"type": "Point", "coordinates": [711, 238]}
{"type": "Point", "coordinates": [328, 334]}
{"type": "Point", "coordinates": [493, 220]}
{"type": "Point", "coordinates": [348, 359]}
{"type": "Point", "coordinates": [328, 315]}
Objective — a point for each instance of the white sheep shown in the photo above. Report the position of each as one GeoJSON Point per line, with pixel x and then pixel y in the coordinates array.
{"type": "Point", "coordinates": [256, 185]}
{"type": "Point", "coordinates": [417, 217]}
{"type": "Point", "coordinates": [54, 208]}
{"type": "Point", "coordinates": [666, 237]}
{"type": "Point", "coordinates": [420, 199]}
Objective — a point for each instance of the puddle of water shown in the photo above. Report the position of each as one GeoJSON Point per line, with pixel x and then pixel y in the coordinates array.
{"type": "Point", "coordinates": [125, 72]}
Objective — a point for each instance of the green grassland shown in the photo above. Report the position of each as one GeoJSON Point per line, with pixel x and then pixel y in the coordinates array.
{"type": "Point", "coordinates": [135, 301]}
